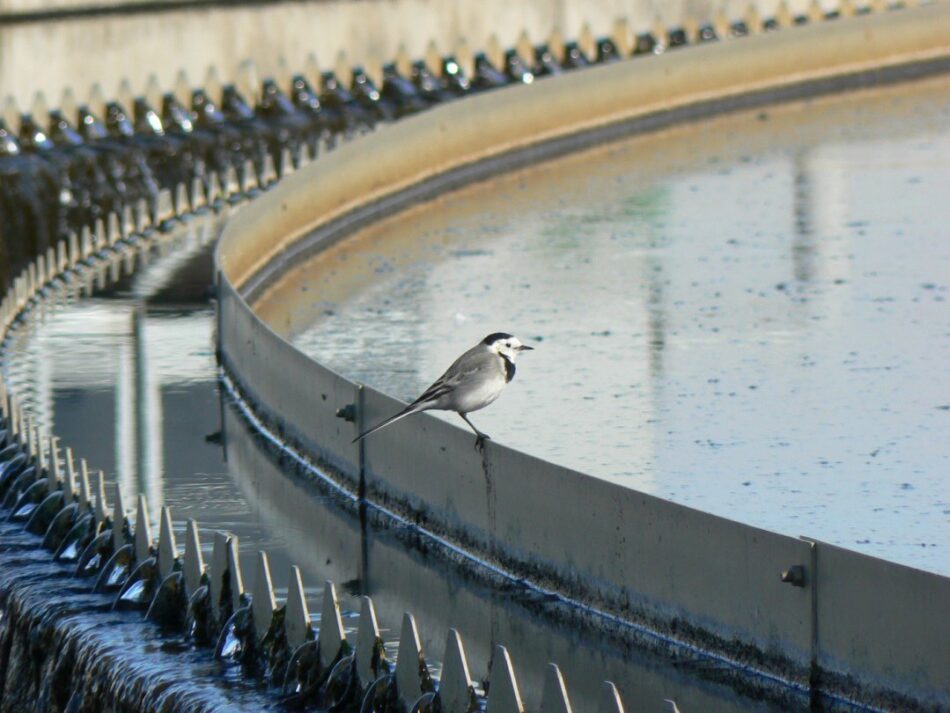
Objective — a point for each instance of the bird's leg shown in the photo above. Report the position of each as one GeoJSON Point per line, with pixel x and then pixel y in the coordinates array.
{"type": "Point", "coordinates": [480, 437]}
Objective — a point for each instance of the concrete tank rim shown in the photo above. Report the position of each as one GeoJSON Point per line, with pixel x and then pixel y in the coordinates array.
{"type": "Point", "coordinates": [909, 62]}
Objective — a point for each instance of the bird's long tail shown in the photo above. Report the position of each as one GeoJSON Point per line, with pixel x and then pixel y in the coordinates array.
{"type": "Point", "coordinates": [411, 409]}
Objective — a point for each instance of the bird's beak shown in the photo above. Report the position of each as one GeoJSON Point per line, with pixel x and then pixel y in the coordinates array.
{"type": "Point", "coordinates": [525, 348]}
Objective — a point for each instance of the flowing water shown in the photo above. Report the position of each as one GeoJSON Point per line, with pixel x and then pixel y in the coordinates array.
{"type": "Point", "coordinates": [749, 315]}
{"type": "Point", "coordinates": [63, 643]}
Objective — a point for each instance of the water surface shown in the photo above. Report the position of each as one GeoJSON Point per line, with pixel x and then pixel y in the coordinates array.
{"type": "Point", "coordinates": [748, 315]}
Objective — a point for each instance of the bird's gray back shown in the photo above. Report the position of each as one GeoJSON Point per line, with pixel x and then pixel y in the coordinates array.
{"type": "Point", "coordinates": [472, 381]}
{"type": "Point", "coordinates": [478, 357]}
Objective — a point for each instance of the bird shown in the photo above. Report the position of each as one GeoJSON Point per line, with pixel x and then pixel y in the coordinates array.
{"type": "Point", "coordinates": [473, 381]}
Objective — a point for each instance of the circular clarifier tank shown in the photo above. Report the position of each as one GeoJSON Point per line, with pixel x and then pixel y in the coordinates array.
{"type": "Point", "coordinates": [748, 315]}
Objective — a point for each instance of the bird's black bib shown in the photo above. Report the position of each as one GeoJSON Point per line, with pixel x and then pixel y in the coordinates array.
{"type": "Point", "coordinates": [509, 368]}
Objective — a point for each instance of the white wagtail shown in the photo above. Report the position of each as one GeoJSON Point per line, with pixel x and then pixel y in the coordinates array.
{"type": "Point", "coordinates": [473, 381]}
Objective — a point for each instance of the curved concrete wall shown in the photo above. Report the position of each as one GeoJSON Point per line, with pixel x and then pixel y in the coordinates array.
{"type": "Point", "coordinates": [700, 578]}
{"type": "Point", "coordinates": [55, 499]}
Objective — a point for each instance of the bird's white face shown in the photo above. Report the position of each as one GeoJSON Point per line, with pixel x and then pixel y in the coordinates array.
{"type": "Point", "coordinates": [509, 346]}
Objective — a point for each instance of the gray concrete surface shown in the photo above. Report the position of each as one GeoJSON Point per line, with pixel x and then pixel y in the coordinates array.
{"type": "Point", "coordinates": [885, 625]}
{"type": "Point", "coordinates": [305, 394]}
{"type": "Point", "coordinates": [597, 541]}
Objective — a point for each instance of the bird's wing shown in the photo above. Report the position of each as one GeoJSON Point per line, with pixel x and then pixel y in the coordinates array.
{"type": "Point", "coordinates": [468, 366]}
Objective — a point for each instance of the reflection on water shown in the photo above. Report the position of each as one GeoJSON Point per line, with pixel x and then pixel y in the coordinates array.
{"type": "Point", "coordinates": [128, 380]}
{"type": "Point", "coordinates": [749, 316]}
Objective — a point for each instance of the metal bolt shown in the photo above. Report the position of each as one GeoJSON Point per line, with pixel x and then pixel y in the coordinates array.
{"type": "Point", "coordinates": [347, 413]}
{"type": "Point", "coordinates": [794, 575]}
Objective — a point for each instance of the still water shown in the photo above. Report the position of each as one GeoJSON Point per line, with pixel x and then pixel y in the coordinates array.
{"type": "Point", "coordinates": [749, 316]}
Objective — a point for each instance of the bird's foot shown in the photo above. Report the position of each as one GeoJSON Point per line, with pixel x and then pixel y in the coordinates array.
{"type": "Point", "coordinates": [480, 441]}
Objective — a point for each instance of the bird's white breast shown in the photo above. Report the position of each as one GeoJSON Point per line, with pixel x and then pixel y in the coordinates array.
{"type": "Point", "coordinates": [480, 389]}
{"type": "Point", "coordinates": [479, 396]}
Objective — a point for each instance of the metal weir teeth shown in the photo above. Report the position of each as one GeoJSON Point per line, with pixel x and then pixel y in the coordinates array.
{"type": "Point", "coordinates": [308, 665]}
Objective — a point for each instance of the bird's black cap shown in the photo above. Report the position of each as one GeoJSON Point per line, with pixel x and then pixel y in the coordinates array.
{"type": "Point", "coordinates": [492, 338]}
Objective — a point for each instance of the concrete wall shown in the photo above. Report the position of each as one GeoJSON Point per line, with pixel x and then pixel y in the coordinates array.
{"type": "Point", "coordinates": [883, 623]}
{"type": "Point", "coordinates": [700, 578]}
{"type": "Point", "coordinates": [294, 385]}
{"type": "Point", "coordinates": [629, 552]}
{"type": "Point", "coordinates": [399, 577]}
